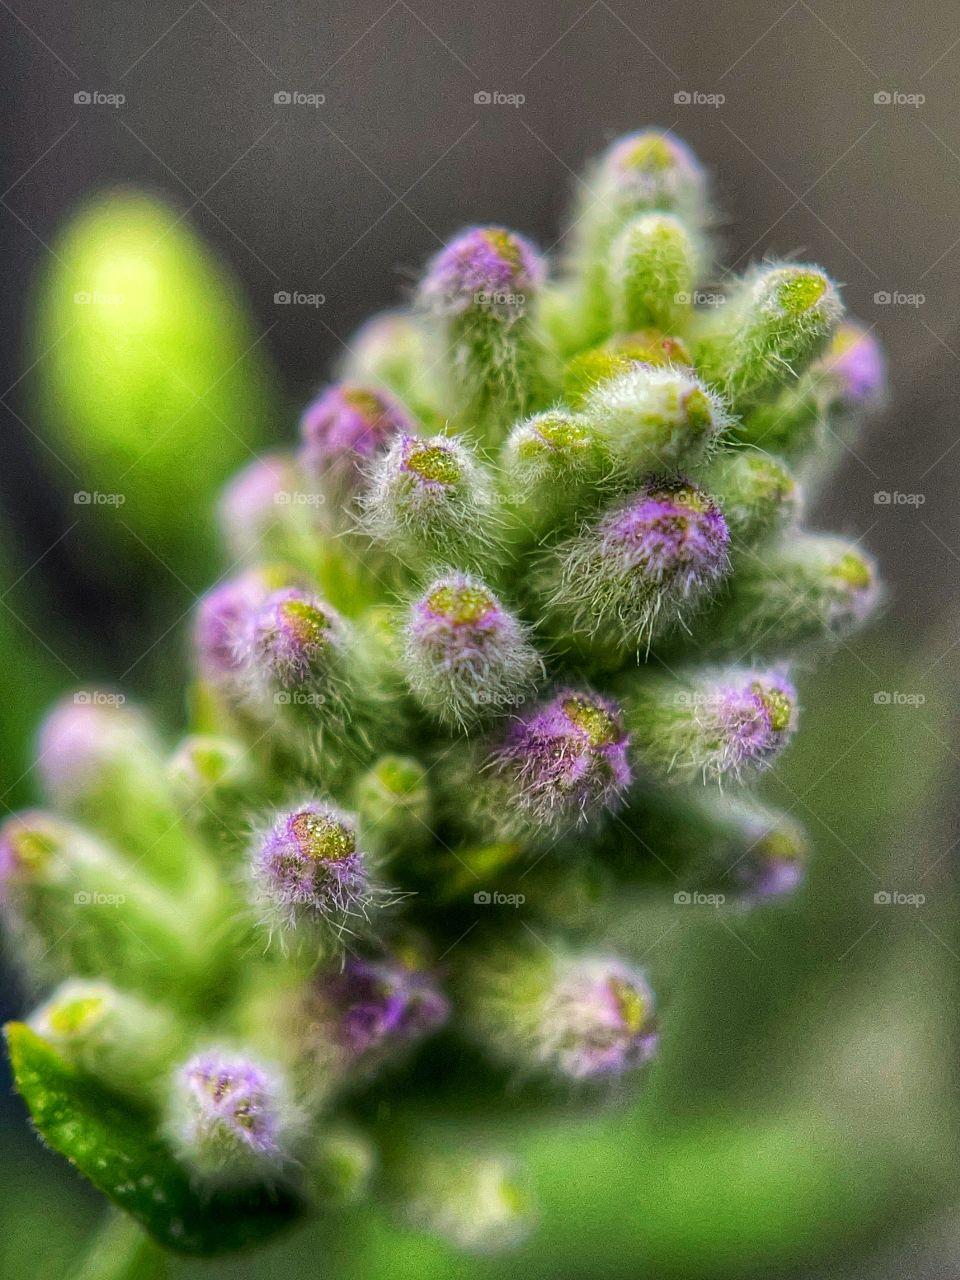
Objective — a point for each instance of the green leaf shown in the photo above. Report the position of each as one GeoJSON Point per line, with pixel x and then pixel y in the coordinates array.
{"type": "Point", "coordinates": [117, 1148]}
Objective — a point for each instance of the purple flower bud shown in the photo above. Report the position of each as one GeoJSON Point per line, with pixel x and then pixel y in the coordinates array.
{"type": "Point", "coordinates": [370, 1009]}
{"type": "Point", "coordinates": [598, 1020]}
{"type": "Point", "coordinates": [576, 1017]}
{"type": "Point", "coordinates": [854, 367]}
{"type": "Point", "coordinates": [717, 724]}
{"type": "Point", "coordinates": [488, 269]}
{"type": "Point", "coordinates": [228, 1119]}
{"type": "Point", "coordinates": [466, 657]}
{"type": "Point", "coordinates": [86, 741]}
{"type": "Point", "coordinates": [565, 762]}
{"type": "Point", "coordinates": [309, 868]}
{"type": "Point", "coordinates": [254, 502]}
{"type": "Point", "coordinates": [643, 564]}
{"type": "Point", "coordinates": [754, 717]}
{"type": "Point", "coordinates": [295, 640]}
{"type": "Point", "coordinates": [343, 429]}
{"type": "Point", "coordinates": [650, 169]}
{"type": "Point", "coordinates": [222, 628]}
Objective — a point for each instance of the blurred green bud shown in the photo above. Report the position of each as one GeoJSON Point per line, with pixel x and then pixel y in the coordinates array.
{"type": "Point", "coordinates": [392, 800]}
{"type": "Point", "coordinates": [126, 1043]}
{"type": "Point", "coordinates": [809, 587]}
{"type": "Point", "coordinates": [476, 1202]}
{"type": "Point", "coordinates": [619, 355]}
{"type": "Point", "coordinates": [653, 267]}
{"type": "Point", "coordinates": [342, 1165]}
{"type": "Point", "coordinates": [150, 382]}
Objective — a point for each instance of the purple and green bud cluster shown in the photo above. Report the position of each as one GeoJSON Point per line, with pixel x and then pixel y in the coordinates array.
{"type": "Point", "coordinates": [518, 619]}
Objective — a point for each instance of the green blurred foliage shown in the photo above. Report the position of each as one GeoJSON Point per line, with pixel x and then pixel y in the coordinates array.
{"type": "Point", "coordinates": [153, 386]}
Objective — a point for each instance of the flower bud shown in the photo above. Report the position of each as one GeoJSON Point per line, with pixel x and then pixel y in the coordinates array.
{"type": "Point", "coordinates": [466, 658]}
{"type": "Point", "coordinates": [774, 854]}
{"type": "Point", "coordinates": [779, 320]}
{"type": "Point", "coordinates": [369, 1011]}
{"type": "Point", "coordinates": [755, 492]}
{"type": "Point", "coordinates": [714, 724]}
{"type": "Point", "coordinates": [561, 765]}
{"type": "Point", "coordinates": [476, 1202]}
{"type": "Point", "coordinates": [853, 368]}
{"type": "Point", "coordinates": [256, 505]}
{"type": "Point", "coordinates": [342, 1165]}
{"type": "Point", "coordinates": [221, 635]}
{"type": "Point", "coordinates": [482, 288]}
{"type": "Point", "coordinates": [102, 763]}
{"type": "Point", "coordinates": [229, 1120]}
{"type": "Point", "coordinates": [429, 498]}
{"type": "Point", "coordinates": [390, 352]}
{"type": "Point", "coordinates": [550, 464]}
{"type": "Point", "coordinates": [296, 643]}
{"type": "Point", "coordinates": [641, 567]}
{"type": "Point", "coordinates": [394, 804]}
{"type": "Point", "coordinates": [309, 869]}
{"type": "Point", "coordinates": [72, 904]}
{"type": "Point", "coordinates": [653, 268]}
{"type": "Point", "coordinates": [343, 430]}
{"type": "Point", "coordinates": [809, 587]}
{"type": "Point", "coordinates": [640, 173]}
{"type": "Point", "coordinates": [581, 1017]}
{"type": "Point", "coordinates": [126, 1043]}
{"type": "Point", "coordinates": [655, 419]}
{"type": "Point", "coordinates": [619, 355]}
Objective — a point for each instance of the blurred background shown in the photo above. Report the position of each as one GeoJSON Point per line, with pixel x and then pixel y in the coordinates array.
{"type": "Point", "coordinates": [803, 1119]}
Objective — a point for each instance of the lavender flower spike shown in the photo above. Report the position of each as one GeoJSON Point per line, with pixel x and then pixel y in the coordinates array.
{"type": "Point", "coordinates": [308, 869]}
{"type": "Point", "coordinates": [229, 1119]}
{"type": "Point", "coordinates": [564, 764]}
{"type": "Point", "coordinates": [481, 289]}
{"type": "Point", "coordinates": [466, 657]}
{"type": "Point", "coordinates": [641, 567]}
{"type": "Point", "coordinates": [583, 1018]}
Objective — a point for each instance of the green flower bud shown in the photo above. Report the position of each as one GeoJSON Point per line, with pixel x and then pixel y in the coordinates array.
{"type": "Point", "coordinates": [619, 355]}
{"type": "Point", "coordinates": [654, 419]}
{"type": "Point", "coordinates": [126, 1043]}
{"type": "Point", "coordinates": [392, 350]}
{"type": "Point", "coordinates": [809, 587]}
{"type": "Point", "coordinates": [478, 1203]}
{"type": "Point", "coordinates": [550, 466]}
{"type": "Point", "coordinates": [653, 268]}
{"type": "Point", "coordinates": [342, 1165]}
{"type": "Point", "coordinates": [779, 319]}
{"type": "Point", "coordinates": [755, 492]}
{"type": "Point", "coordinates": [73, 905]}
{"type": "Point", "coordinates": [393, 802]}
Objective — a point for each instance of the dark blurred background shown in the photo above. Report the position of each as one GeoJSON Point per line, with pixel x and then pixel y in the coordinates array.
{"type": "Point", "coordinates": [837, 139]}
